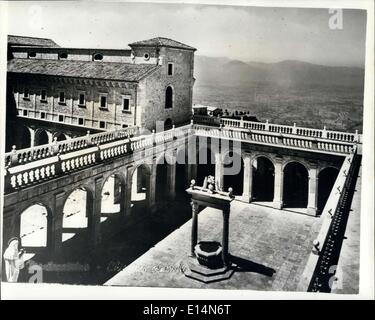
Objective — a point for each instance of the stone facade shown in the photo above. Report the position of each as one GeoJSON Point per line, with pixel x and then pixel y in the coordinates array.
{"type": "Point", "coordinates": [152, 89]}
{"type": "Point", "coordinates": [112, 98]}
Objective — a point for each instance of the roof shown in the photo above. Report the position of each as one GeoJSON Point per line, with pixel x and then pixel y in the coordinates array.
{"type": "Point", "coordinates": [199, 107]}
{"type": "Point", "coordinates": [211, 108]}
{"type": "Point", "coordinates": [82, 69]}
{"type": "Point", "coordinates": [161, 42]}
{"type": "Point", "coordinates": [31, 41]}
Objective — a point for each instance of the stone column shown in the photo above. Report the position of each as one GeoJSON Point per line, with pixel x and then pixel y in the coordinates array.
{"type": "Point", "coordinates": [32, 137]}
{"type": "Point", "coordinates": [138, 178]}
{"type": "Point", "coordinates": [279, 181]}
{"type": "Point", "coordinates": [151, 188]}
{"type": "Point", "coordinates": [194, 226]}
{"type": "Point", "coordinates": [57, 222]}
{"type": "Point", "coordinates": [225, 240]}
{"type": "Point", "coordinates": [312, 203]}
{"type": "Point", "coordinates": [219, 171]}
{"type": "Point", "coordinates": [128, 191]}
{"type": "Point", "coordinates": [247, 179]}
{"type": "Point", "coordinates": [96, 212]}
{"type": "Point", "coordinates": [50, 137]}
{"type": "Point", "coordinates": [122, 199]}
{"type": "Point", "coordinates": [171, 176]}
{"type": "Point", "coordinates": [117, 190]}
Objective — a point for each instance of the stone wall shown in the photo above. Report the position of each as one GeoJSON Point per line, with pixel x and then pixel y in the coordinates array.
{"type": "Point", "coordinates": [90, 112]}
{"type": "Point", "coordinates": [151, 92]}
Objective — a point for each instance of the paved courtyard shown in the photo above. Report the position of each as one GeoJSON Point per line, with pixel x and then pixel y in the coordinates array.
{"type": "Point", "coordinates": [273, 246]}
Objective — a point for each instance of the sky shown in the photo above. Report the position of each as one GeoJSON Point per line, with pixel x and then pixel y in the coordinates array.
{"type": "Point", "coordinates": [236, 32]}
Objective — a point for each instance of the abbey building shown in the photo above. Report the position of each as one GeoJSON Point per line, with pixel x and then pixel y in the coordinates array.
{"type": "Point", "coordinates": [59, 93]}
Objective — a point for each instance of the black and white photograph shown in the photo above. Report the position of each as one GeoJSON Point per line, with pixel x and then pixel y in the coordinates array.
{"type": "Point", "coordinates": [220, 146]}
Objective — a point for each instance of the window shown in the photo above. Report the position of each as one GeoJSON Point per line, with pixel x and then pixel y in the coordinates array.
{"type": "Point", "coordinates": [61, 118]}
{"type": "Point", "coordinates": [63, 55]}
{"type": "Point", "coordinates": [102, 124]}
{"type": "Point", "coordinates": [80, 121]}
{"type": "Point", "coordinates": [24, 113]}
{"type": "Point", "coordinates": [103, 102]}
{"type": "Point", "coordinates": [81, 99]}
{"type": "Point", "coordinates": [168, 98]}
{"type": "Point", "coordinates": [170, 69]}
{"type": "Point", "coordinates": [146, 56]}
{"type": "Point", "coordinates": [42, 115]}
{"type": "Point", "coordinates": [126, 104]}
{"type": "Point", "coordinates": [26, 94]}
{"type": "Point", "coordinates": [168, 124]}
{"type": "Point", "coordinates": [43, 95]}
{"type": "Point", "coordinates": [97, 57]}
{"type": "Point", "coordinates": [62, 97]}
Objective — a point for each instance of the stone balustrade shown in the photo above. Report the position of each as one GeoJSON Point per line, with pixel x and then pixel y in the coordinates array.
{"type": "Point", "coordinates": [23, 156]}
{"type": "Point", "coordinates": [318, 262]}
{"type": "Point", "coordinates": [277, 128]}
{"type": "Point", "coordinates": [114, 144]}
{"type": "Point", "coordinates": [276, 139]}
{"type": "Point", "coordinates": [29, 166]}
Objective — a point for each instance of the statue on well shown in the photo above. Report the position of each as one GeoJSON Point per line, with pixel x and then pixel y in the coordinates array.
{"type": "Point", "coordinates": [210, 184]}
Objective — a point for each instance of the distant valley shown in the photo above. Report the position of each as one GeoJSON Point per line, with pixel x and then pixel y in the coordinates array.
{"type": "Point", "coordinates": [285, 92]}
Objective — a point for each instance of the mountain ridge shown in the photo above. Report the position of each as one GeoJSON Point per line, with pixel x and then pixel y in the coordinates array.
{"type": "Point", "coordinates": [220, 71]}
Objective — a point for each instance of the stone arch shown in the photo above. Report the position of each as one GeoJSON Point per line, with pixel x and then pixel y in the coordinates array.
{"type": "Point", "coordinates": [329, 166]}
{"type": "Point", "coordinates": [263, 170]}
{"type": "Point", "coordinates": [163, 163]}
{"type": "Point", "coordinates": [301, 162]}
{"type": "Point", "coordinates": [264, 155]}
{"type": "Point", "coordinates": [326, 179]}
{"type": "Point", "coordinates": [41, 137]}
{"type": "Point", "coordinates": [36, 225]}
{"type": "Point", "coordinates": [24, 140]}
{"type": "Point", "coordinates": [233, 171]}
{"type": "Point", "coordinates": [169, 97]}
{"type": "Point", "coordinates": [60, 136]}
{"type": "Point", "coordinates": [113, 193]}
{"type": "Point", "coordinates": [295, 184]}
{"type": "Point", "coordinates": [78, 212]}
{"type": "Point", "coordinates": [182, 177]}
{"type": "Point", "coordinates": [140, 186]}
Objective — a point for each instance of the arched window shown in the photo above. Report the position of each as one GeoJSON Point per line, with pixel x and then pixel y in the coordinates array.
{"type": "Point", "coordinates": [97, 57]}
{"type": "Point", "coordinates": [168, 124]}
{"type": "Point", "coordinates": [168, 98]}
{"type": "Point", "coordinates": [63, 55]}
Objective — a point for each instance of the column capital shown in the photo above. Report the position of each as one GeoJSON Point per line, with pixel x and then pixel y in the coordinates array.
{"type": "Point", "coordinates": [313, 173]}
{"type": "Point", "coordinates": [219, 157]}
{"type": "Point", "coordinates": [279, 159]}
{"type": "Point", "coordinates": [246, 155]}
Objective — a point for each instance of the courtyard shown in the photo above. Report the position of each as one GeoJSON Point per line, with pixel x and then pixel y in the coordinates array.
{"type": "Point", "coordinates": [270, 248]}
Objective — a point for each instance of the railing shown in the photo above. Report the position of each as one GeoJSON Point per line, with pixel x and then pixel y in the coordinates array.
{"type": "Point", "coordinates": [277, 128]}
{"type": "Point", "coordinates": [276, 139]}
{"type": "Point", "coordinates": [115, 144]}
{"type": "Point", "coordinates": [23, 156]}
{"type": "Point", "coordinates": [212, 121]}
{"type": "Point", "coordinates": [319, 261]}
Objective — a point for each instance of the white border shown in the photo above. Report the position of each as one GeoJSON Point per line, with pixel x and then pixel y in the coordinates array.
{"type": "Point", "coordinates": [50, 291]}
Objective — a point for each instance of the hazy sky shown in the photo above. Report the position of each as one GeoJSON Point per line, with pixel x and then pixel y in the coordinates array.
{"type": "Point", "coordinates": [245, 33]}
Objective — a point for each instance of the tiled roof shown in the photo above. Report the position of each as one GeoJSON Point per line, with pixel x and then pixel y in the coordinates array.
{"type": "Point", "coordinates": [31, 41]}
{"type": "Point", "coordinates": [161, 42]}
{"type": "Point", "coordinates": [82, 69]}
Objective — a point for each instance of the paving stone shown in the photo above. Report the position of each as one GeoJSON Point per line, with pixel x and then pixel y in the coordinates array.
{"type": "Point", "coordinates": [271, 241]}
